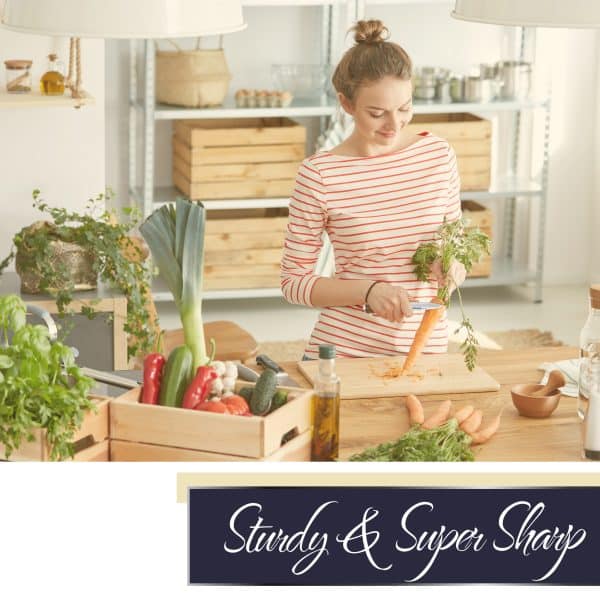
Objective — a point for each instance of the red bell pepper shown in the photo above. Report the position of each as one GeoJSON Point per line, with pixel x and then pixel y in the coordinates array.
{"type": "Point", "coordinates": [198, 390]}
{"type": "Point", "coordinates": [153, 368]}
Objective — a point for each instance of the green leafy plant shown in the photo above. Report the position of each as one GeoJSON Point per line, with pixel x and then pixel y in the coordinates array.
{"type": "Point", "coordinates": [454, 241]}
{"type": "Point", "coordinates": [116, 259]}
{"type": "Point", "coordinates": [40, 384]}
{"type": "Point", "coordinates": [446, 443]}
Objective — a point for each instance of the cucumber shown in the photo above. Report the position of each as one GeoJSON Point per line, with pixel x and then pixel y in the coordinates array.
{"type": "Point", "coordinates": [246, 394]}
{"type": "Point", "coordinates": [176, 377]}
{"type": "Point", "coordinates": [279, 399]}
{"type": "Point", "coordinates": [264, 389]}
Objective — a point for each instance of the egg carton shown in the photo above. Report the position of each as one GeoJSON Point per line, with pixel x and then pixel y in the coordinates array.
{"type": "Point", "coordinates": [262, 99]}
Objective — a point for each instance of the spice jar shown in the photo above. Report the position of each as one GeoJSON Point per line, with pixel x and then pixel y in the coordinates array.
{"type": "Point", "coordinates": [18, 76]}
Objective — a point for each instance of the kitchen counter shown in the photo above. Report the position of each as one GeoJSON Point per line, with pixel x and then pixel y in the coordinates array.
{"type": "Point", "coordinates": [365, 423]}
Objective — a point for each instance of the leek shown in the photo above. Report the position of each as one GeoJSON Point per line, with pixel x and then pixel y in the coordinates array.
{"type": "Point", "coordinates": [175, 235]}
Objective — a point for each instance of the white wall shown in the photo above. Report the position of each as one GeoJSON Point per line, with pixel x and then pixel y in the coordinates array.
{"type": "Point", "coordinates": [571, 237]}
{"type": "Point", "coordinates": [58, 150]}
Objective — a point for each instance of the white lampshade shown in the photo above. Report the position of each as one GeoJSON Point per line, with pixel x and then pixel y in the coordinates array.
{"type": "Point", "coordinates": [530, 13]}
{"type": "Point", "coordinates": [127, 19]}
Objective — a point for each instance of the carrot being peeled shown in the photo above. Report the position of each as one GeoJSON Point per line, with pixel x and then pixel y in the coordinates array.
{"type": "Point", "coordinates": [439, 416]}
{"type": "Point", "coordinates": [483, 435]}
{"type": "Point", "coordinates": [428, 322]}
{"type": "Point", "coordinates": [415, 410]}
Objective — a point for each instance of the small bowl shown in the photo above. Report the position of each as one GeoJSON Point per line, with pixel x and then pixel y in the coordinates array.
{"type": "Point", "coordinates": [537, 407]}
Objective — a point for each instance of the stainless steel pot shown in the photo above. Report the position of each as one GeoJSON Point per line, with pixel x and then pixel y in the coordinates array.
{"type": "Point", "coordinates": [473, 89]}
{"type": "Point", "coordinates": [516, 79]}
{"type": "Point", "coordinates": [457, 89]}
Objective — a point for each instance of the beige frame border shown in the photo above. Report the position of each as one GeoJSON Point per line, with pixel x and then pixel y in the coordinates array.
{"type": "Point", "coordinates": [449, 480]}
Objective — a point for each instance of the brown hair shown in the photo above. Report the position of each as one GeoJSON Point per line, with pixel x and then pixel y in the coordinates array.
{"type": "Point", "coordinates": [370, 59]}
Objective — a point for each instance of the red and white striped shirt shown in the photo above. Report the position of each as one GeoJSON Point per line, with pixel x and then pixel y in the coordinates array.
{"type": "Point", "coordinates": [376, 210]}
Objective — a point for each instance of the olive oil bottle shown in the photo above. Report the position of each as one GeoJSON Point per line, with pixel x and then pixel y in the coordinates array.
{"type": "Point", "coordinates": [52, 82]}
{"type": "Point", "coordinates": [326, 408]}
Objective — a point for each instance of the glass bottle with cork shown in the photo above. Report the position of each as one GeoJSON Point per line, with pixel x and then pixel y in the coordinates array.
{"type": "Point", "coordinates": [326, 408]}
{"type": "Point", "coordinates": [591, 423]}
{"type": "Point", "coordinates": [52, 82]}
{"type": "Point", "coordinates": [589, 349]}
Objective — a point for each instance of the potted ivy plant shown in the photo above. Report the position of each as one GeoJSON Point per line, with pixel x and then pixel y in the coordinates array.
{"type": "Point", "coordinates": [70, 251]}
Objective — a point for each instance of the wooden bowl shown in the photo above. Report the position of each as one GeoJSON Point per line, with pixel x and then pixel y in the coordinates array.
{"type": "Point", "coordinates": [537, 407]}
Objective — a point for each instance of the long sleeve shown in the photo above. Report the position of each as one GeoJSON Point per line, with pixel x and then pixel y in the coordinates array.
{"type": "Point", "coordinates": [453, 210]}
{"type": "Point", "coordinates": [303, 241]}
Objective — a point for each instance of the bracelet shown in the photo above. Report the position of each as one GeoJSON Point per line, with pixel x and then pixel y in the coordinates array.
{"type": "Point", "coordinates": [369, 291]}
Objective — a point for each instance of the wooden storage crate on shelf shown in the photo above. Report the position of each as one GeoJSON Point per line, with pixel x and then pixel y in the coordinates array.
{"type": "Point", "coordinates": [471, 138]}
{"type": "Point", "coordinates": [90, 440]}
{"type": "Point", "coordinates": [244, 252]}
{"type": "Point", "coordinates": [237, 158]}
{"type": "Point", "coordinates": [481, 217]}
{"type": "Point", "coordinates": [143, 432]}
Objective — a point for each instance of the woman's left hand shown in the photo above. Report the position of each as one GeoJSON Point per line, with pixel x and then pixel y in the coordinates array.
{"type": "Point", "coordinates": [454, 278]}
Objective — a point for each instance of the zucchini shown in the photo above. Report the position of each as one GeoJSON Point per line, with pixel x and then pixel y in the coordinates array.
{"type": "Point", "coordinates": [279, 399]}
{"type": "Point", "coordinates": [246, 394]}
{"type": "Point", "coordinates": [176, 377]}
{"type": "Point", "coordinates": [264, 389]}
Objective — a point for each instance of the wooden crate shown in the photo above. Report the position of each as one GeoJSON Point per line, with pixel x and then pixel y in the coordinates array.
{"type": "Point", "coordinates": [481, 217]}
{"type": "Point", "coordinates": [242, 253]}
{"type": "Point", "coordinates": [297, 449]}
{"type": "Point", "coordinates": [90, 441]}
{"type": "Point", "coordinates": [149, 432]}
{"type": "Point", "coordinates": [237, 158]}
{"type": "Point", "coordinates": [239, 132]}
{"type": "Point", "coordinates": [471, 138]}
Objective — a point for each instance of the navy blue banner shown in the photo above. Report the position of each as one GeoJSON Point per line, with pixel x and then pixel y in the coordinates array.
{"type": "Point", "coordinates": [383, 536]}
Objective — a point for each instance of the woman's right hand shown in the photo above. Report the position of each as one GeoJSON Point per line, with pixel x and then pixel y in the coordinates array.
{"type": "Point", "coordinates": [390, 302]}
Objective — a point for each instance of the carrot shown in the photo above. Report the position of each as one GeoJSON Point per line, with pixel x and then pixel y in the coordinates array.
{"type": "Point", "coordinates": [439, 416]}
{"type": "Point", "coordinates": [483, 435]}
{"type": "Point", "coordinates": [471, 424]}
{"type": "Point", "coordinates": [426, 327]}
{"type": "Point", "coordinates": [463, 413]}
{"type": "Point", "coordinates": [415, 410]}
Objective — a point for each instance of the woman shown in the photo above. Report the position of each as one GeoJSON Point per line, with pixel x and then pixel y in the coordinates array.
{"type": "Point", "coordinates": [379, 194]}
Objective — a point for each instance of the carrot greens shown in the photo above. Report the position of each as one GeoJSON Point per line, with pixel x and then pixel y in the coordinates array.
{"type": "Point", "coordinates": [454, 241]}
{"type": "Point", "coordinates": [446, 443]}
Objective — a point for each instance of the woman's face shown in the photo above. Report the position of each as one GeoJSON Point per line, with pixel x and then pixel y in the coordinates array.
{"type": "Point", "coordinates": [381, 110]}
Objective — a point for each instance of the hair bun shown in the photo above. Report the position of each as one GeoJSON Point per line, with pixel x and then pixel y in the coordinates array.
{"type": "Point", "coordinates": [370, 32]}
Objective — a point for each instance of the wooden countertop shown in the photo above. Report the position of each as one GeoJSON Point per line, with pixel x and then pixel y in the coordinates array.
{"type": "Point", "coordinates": [365, 423]}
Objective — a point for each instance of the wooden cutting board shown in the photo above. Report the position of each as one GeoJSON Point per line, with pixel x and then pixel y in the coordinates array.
{"type": "Point", "coordinates": [379, 377]}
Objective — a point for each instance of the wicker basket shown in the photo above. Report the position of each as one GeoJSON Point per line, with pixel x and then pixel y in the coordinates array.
{"type": "Point", "coordinates": [193, 78]}
{"type": "Point", "coordinates": [78, 268]}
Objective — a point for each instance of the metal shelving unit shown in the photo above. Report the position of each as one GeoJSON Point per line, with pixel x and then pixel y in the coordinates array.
{"type": "Point", "coordinates": [505, 270]}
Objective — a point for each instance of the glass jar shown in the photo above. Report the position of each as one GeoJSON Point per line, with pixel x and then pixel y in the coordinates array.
{"type": "Point", "coordinates": [589, 349]}
{"type": "Point", "coordinates": [18, 76]}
